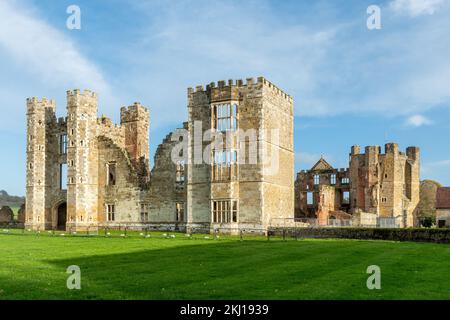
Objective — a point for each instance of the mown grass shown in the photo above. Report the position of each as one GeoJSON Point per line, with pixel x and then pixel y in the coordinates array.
{"type": "Point", "coordinates": [163, 267]}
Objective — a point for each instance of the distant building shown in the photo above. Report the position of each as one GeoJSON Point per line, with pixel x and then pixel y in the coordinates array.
{"type": "Point", "coordinates": [386, 186]}
{"type": "Point", "coordinates": [322, 192]}
{"type": "Point", "coordinates": [443, 207]}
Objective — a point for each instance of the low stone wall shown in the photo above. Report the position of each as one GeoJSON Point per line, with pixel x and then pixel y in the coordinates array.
{"type": "Point", "coordinates": [410, 234]}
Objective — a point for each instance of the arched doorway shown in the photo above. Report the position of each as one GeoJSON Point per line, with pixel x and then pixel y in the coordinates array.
{"type": "Point", "coordinates": [62, 216]}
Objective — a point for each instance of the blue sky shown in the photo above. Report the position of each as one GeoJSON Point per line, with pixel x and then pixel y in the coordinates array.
{"type": "Point", "coordinates": [350, 85]}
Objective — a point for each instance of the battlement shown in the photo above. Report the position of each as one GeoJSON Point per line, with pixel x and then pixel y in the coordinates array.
{"type": "Point", "coordinates": [133, 112]}
{"type": "Point", "coordinates": [35, 105]}
{"type": "Point", "coordinates": [391, 148]}
{"type": "Point", "coordinates": [249, 83]}
{"type": "Point", "coordinates": [85, 93]}
{"type": "Point", "coordinates": [373, 150]}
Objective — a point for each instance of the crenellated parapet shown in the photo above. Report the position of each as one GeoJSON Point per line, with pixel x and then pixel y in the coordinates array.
{"type": "Point", "coordinates": [229, 90]}
{"type": "Point", "coordinates": [135, 112]}
{"type": "Point", "coordinates": [34, 105]}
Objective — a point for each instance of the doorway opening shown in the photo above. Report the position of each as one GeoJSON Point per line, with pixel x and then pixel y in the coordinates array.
{"type": "Point", "coordinates": [62, 216]}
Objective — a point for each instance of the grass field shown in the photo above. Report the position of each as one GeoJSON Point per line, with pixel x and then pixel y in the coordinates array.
{"type": "Point", "coordinates": [34, 267]}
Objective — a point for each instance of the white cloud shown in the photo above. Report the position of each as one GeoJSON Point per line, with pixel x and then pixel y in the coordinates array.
{"type": "Point", "coordinates": [44, 51]}
{"type": "Point", "coordinates": [417, 120]}
{"type": "Point", "coordinates": [331, 68]}
{"type": "Point", "coordinates": [38, 59]}
{"type": "Point", "coordinates": [416, 8]}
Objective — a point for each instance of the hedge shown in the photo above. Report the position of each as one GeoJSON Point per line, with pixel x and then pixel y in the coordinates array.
{"type": "Point", "coordinates": [407, 234]}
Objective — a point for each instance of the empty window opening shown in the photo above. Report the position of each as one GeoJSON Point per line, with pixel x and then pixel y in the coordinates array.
{"type": "Point", "coordinates": [316, 179]}
{"type": "Point", "coordinates": [309, 198]}
{"type": "Point", "coordinates": [111, 168]}
{"type": "Point", "coordinates": [111, 212]}
{"type": "Point", "coordinates": [63, 176]}
{"type": "Point", "coordinates": [346, 197]}
{"type": "Point", "coordinates": [180, 172]}
{"type": "Point", "coordinates": [224, 165]}
{"type": "Point", "coordinates": [225, 211]}
{"type": "Point", "coordinates": [144, 212]}
{"type": "Point", "coordinates": [333, 179]}
{"type": "Point", "coordinates": [179, 211]}
{"type": "Point", "coordinates": [63, 144]}
{"type": "Point", "coordinates": [225, 117]}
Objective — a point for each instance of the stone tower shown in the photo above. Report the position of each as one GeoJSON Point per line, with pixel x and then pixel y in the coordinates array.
{"type": "Point", "coordinates": [240, 158]}
{"type": "Point", "coordinates": [40, 116]}
{"type": "Point", "coordinates": [82, 159]}
{"type": "Point", "coordinates": [135, 120]}
{"type": "Point", "coordinates": [386, 184]}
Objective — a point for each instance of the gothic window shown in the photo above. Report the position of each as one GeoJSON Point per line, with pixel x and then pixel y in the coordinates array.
{"type": "Point", "coordinates": [179, 212]}
{"type": "Point", "coordinates": [110, 212]}
{"type": "Point", "coordinates": [345, 180]}
{"type": "Point", "coordinates": [316, 179]}
{"type": "Point", "coordinates": [224, 211]}
{"type": "Point", "coordinates": [225, 116]}
{"type": "Point", "coordinates": [111, 178]}
{"type": "Point", "coordinates": [63, 144]}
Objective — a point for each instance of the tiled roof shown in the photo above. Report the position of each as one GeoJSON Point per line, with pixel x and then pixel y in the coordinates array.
{"type": "Point", "coordinates": [443, 198]}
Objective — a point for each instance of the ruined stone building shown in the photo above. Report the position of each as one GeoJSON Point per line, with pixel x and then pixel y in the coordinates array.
{"type": "Point", "coordinates": [322, 192]}
{"type": "Point", "coordinates": [84, 171]}
{"type": "Point", "coordinates": [384, 185]}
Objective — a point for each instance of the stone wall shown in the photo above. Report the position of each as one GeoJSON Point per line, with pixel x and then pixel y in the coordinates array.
{"type": "Point", "coordinates": [6, 215]}
{"type": "Point", "coordinates": [443, 214]}
{"type": "Point", "coordinates": [386, 184]}
{"type": "Point", "coordinates": [263, 189]}
{"type": "Point", "coordinates": [168, 192]}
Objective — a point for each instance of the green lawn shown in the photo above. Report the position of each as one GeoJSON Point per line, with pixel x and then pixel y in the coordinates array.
{"type": "Point", "coordinates": [34, 267]}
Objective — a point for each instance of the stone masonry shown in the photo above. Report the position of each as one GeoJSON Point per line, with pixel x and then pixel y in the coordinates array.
{"type": "Point", "coordinates": [385, 185]}
{"type": "Point", "coordinates": [83, 171]}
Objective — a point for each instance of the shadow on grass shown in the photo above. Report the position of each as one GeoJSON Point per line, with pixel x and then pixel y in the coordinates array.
{"type": "Point", "coordinates": [252, 269]}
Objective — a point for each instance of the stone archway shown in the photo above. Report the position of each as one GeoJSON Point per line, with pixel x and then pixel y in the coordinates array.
{"type": "Point", "coordinates": [61, 213]}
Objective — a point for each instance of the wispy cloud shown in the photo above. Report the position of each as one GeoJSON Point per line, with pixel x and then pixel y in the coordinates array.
{"type": "Point", "coordinates": [45, 51]}
{"type": "Point", "coordinates": [416, 8]}
{"type": "Point", "coordinates": [417, 120]}
{"type": "Point", "coordinates": [330, 68]}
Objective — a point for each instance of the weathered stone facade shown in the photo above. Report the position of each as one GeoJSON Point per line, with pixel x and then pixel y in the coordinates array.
{"type": "Point", "coordinates": [322, 192]}
{"type": "Point", "coordinates": [83, 170]}
{"type": "Point", "coordinates": [246, 180]}
{"type": "Point", "coordinates": [108, 176]}
{"type": "Point", "coordinates": [386, 185]}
